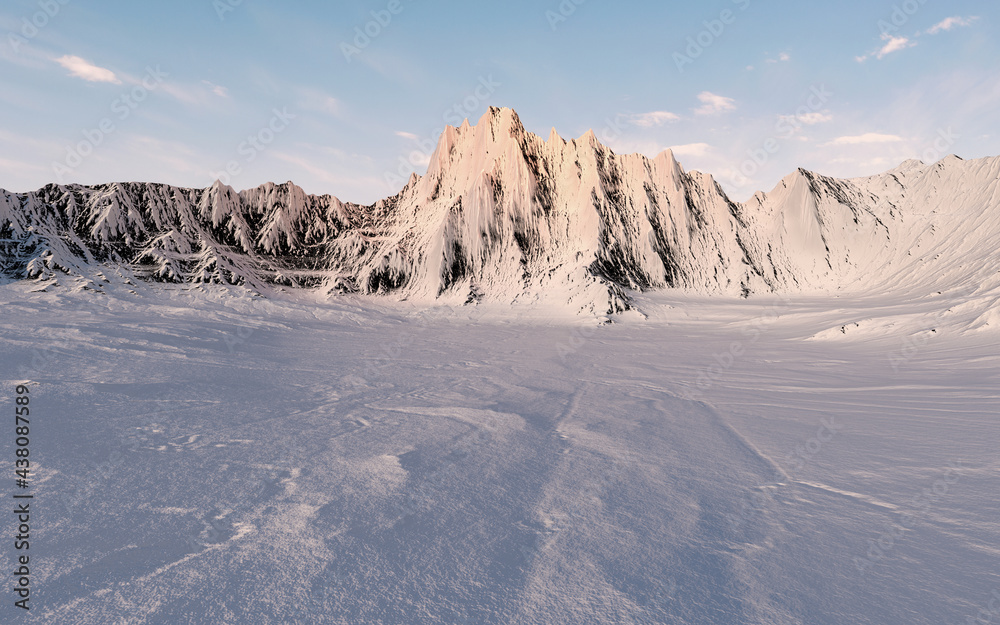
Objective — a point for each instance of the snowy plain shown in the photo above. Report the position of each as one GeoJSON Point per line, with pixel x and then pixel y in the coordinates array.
{"type": "Point", "coordinates": [205, 455]}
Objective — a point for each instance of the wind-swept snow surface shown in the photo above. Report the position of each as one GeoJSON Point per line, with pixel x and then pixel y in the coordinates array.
{"type": "Point", "coordinates": [794, 419]}
{"type": "Point", "coordinates": [204, 456]}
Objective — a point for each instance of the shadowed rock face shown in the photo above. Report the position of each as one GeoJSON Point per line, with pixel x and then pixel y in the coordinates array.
{"type": "Point", "coordinates": [501, 215]}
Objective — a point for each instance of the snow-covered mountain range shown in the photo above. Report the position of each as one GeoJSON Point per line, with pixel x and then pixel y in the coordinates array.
{"type": "Point", "coordinates": [505, 215]}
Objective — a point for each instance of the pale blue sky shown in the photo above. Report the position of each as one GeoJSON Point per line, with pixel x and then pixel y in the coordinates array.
{"type": "Point", "coordinates": [843, 88]}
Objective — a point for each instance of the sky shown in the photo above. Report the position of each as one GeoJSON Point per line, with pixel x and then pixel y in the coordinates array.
{"type": "Point", "coordinates": [350, 98]}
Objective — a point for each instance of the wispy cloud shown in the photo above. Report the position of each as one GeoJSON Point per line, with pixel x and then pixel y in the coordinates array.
{"type": "Point", "coordinates": [809, 119]}
{"type": "Point", "coordinates": [218, 90]}
{"type": "Point", "coordinates": [407, 135]}
{"type": "Point", "coordinates": [327, 174]}
{"type": "Point", "coordinates": [86, 70]}
{"type": "Point", "coordinates": [894, 44]}
{"type": "Point", "coordinates": [655, 118]}
{"type": "Point", "coordinates": [202, 94]}
{"type": "Point", "coordinates": [868, 138]}
{"type": "Point", "coordinates": [318, 101]}
{"type": "Point", "coordinates": [176, 156]}
{"type": "Point", "coordinates": [784, 57]}
{"type": "Point", "coordinates": [951, 23]}
{"type": "Point", "coordinates": [420, 158]}
{"type": "Point", "coordinates": [21, 169]}
{"type": "Point", "coordinates": [691, 149]}
{"type": "Point", "coordinates": [188, 94]}
{"type": "Point", "coordinates": [713, 104]}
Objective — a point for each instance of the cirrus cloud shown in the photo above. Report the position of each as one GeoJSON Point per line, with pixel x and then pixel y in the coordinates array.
{"type": "Point", "coordinates": [691, 149]}
{"type": "Point", "coordinates": [895, 43]}
{"type": "Point", "coordinates": [950, 23]}
{"type": "Point", "coordinates": [867, 138]}
{"type": "Point", "coordinates": [655, 118]}
{"type": "Point", "coordinates": [86, 70]}
{"type": "Point", "coordinates": [892, 44]}
{"type": "Point", "coordinates": [218, 90]}
{"type": "Point", "coordinates": [713, 104]}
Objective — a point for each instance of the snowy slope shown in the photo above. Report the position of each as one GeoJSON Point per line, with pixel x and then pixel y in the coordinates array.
{"type": "Point", "coordinates": [204, 456]}
{"type": "Point", "coordinates": [505, 215]}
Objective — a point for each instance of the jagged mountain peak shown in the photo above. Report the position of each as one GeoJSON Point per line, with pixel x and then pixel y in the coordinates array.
{"type": "Point", "coordinates": [219, 187]}
{"type": "Point", "coordinates": [497, 123]}
{"type": "Point", "coordinates": [909, 165]}
{"type": "Point", "coordinates": [503, 119]}
{"type": "Point", "coordinates": [502, 214]}
{"type": "Point", "coordinates": [474, 146]}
